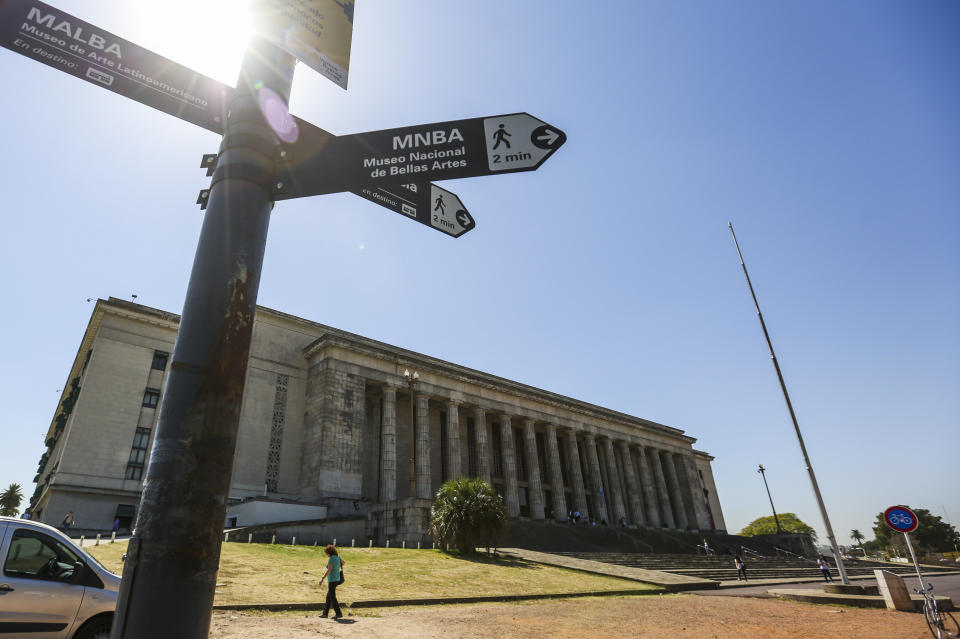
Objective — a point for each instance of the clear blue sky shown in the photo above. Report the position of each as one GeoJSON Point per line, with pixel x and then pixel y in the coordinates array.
{"type": "Point", "coordinates": [827, 132]}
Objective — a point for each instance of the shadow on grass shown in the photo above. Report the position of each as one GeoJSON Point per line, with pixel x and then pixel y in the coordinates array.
{"type": "Point", "coordinates": [492, 560]}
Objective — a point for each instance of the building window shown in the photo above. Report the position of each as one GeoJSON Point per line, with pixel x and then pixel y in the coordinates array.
{"type": "Point", "coordinates": [561, 448]}
{"type": "Point", "coordinates": [541, 456]}
{"type": "Point", "coordinates": [520, 454]}
{"type": "Point", "coordinates": [272, 477]}
{"type": "Point", "coordinates": [497, 470]}
{"type": "Point", "coordinates": [471, 448]}
{"type": "Point", "coordinates": [443, 446]}
{"type": "Point", "coordinates": [151, 397]}
{"type": "Point", "coordinates": [138, 454]}
{"type": "Point", "coordinates": [160, 360]}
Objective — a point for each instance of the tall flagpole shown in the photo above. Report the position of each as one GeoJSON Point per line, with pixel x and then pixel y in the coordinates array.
{"type": "Point", "coordinates": [796, 427]}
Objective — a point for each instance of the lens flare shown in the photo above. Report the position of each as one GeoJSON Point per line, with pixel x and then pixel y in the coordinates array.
{"type": "Point", "coordinates": [277, 115]}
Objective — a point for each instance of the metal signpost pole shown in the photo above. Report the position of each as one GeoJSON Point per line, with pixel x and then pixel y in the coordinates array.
{"type": "Point", "coordinates": [170, 572]}
{"type": "Point", "coordinates": [913, 555]}
{"type": "Point", "coordinates": [796, 427]}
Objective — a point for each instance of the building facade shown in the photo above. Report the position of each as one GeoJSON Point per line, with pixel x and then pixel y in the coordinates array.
{"type": "Point", "coordinates": [346, 426]}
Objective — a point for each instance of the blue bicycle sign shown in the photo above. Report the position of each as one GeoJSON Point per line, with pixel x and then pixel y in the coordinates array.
{"type": "Point", "coordinates": [900, 518]}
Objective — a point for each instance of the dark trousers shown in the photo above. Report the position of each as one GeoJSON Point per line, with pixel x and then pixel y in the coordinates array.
{"type": "Point", "coordinates": [332, 599]}
{"type": "Point", "coordinates": [742, 572]}
{"type": "Point", "coordinates": [826, 574]}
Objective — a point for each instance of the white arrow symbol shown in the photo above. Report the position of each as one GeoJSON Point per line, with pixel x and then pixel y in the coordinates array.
{"type": "Point", "coordinates": [550, 137]}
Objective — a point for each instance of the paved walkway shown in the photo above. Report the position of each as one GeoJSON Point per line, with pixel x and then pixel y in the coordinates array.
{"type": "Point", "coordinates": [666, 580]}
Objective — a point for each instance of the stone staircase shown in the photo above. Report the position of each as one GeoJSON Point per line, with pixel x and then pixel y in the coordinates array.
{"type": "Point", "coordinates": [559, 537]}
{"type": "Point", "coordinates": [720, 567]}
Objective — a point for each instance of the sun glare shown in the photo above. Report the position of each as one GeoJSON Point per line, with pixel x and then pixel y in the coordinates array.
{"type": "Point", "coordinates": [209, 36]}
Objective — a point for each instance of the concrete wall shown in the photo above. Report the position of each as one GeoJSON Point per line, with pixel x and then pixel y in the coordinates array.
{"type": "Point", "coordinates": [256, 512]}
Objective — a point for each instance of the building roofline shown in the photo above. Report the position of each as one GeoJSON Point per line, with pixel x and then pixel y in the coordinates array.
{"type": "Point", "coordinates": [480, 378]}
{"type": "Point", "coordinates": [353, 340]}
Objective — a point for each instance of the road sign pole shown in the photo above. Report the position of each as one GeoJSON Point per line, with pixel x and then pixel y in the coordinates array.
{"type": "Point", "coordinates": [913, 555]}
{"type": "Point", "coordinates": [170, 572]}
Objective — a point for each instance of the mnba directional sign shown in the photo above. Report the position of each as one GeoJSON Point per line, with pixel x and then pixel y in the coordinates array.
{"type": "Point", "coordinates": [440, 151]}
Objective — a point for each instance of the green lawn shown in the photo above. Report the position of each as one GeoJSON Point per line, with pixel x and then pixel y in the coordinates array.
{"type": "Point", "coordinates": [264, 573]}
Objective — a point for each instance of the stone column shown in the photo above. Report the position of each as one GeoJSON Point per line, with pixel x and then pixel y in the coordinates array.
{"type": "Point", "coordinates": [483, 449]}
{"type": "Point", "coordinates": [388, 446]}
{"type": "Point", "coordinates": [576, 477]}
{"type": "Point", "coordinates": [534, 486]}
{"type": "Point", "coordinates": [673, 486]}
{"type": "Point", "coordinates": [555, 475]}
{"type": "Point", "coordinates": [423, 447]}
{"type": "Point", "coordinates": [686, 493]}
{"type": "Point", "coordinates": [510, 497]}
{"type": "Point", "coordinates": [649, 490]}
{"type": "Point", "coordinates": [590, 444]}
{"type": "Point", "coordinates": [702, 516]}
{"type": "Point", "coordinates": [633, 488]}
{"type": "Point", "coordinates": [660, 482]}
{"type": "Point", "coordinates": [615, 497]}
{"type": "Point", "coordinates": [453, 439]}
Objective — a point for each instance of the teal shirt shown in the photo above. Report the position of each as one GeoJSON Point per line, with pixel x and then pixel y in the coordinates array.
{"type": "Point", "coordinates": [334, 564]}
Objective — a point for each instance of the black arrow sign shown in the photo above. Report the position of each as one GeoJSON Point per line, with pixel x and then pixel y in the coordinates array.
{"type": "Point", "coordinates": [418, 200]}
{"type": "Point", "coordinates": [321, 163]}
{"type": "Point", "coordinates": [64, 42]}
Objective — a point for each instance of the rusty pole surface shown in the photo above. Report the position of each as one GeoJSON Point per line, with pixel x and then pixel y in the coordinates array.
{"type": "Point", "coordinates": [170, 572]}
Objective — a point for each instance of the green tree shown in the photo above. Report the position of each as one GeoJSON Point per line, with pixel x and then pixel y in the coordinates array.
{"type": "Point", "coordinates": [10, 500]}
{"type": "Point", "coordinates": [932, 533]}
{"type": "Point", "coordinates": [789, 522]}
{"type": "Point", "coordinates": [466, 513]}
{"type": "Point", "coordinates": [857, 536]}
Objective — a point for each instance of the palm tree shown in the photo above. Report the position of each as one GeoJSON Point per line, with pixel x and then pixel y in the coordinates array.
{"type": "Point", "coordinates": [10, 500]}
{"type": "Point", "coordinates": [466, 513]}
{"type": "Point", "coordinates": [858, 537]}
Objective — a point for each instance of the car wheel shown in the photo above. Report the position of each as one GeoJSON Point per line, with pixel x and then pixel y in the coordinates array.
{"type": "Point", "coordinates": [96, 629]}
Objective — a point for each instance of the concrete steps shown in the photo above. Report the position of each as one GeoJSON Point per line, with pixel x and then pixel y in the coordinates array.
{"type": "Point", "coordinates": [720, 568]}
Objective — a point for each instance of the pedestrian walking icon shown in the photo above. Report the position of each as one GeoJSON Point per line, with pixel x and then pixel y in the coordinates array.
{"type": "Point", "coordinates": [501, 135]}
{"type": "Point", "coordinates": [519, 142]}
{"type": "Point", "coordinates": [439, 205]}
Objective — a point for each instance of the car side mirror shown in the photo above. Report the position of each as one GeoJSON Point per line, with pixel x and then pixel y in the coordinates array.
{"type": "Point", "coordinates": [79, 573]}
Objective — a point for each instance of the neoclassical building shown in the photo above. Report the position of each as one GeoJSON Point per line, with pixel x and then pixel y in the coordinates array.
{"type": "Point", "coordinates": [342, 427]}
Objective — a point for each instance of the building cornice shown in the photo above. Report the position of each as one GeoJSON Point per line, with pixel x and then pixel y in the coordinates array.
{"type": "Point", "coordinates": [403, 358]}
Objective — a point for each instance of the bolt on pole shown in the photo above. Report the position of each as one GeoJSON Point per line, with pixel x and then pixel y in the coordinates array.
{"type": "Point", "coordinates": [170, 572]}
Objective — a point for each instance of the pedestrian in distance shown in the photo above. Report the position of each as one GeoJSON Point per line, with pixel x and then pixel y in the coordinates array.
{"type": "Point", "coordinates": [116, 525]}
{"type": "Point", "coordinates": [334, 577]}
{"type": "Point", "coordinates": [824, 567]}
{"type": "Point", "coordinates": [68, 521]}
{"type": "Point", "coordinates": [741, 568]}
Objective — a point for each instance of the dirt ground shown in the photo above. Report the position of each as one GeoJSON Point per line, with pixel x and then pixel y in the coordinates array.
{"type": "Point", "coordinates": [651, 617]}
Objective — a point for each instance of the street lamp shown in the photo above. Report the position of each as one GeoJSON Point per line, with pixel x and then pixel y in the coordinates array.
{"type": "Point", "coordinates": [763, 474]}
{"type": "Point", "coordinates": [412, 379]}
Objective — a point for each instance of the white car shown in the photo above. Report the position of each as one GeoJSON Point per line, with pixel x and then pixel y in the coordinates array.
{"type": "Point", "coordinates": [50, 588]}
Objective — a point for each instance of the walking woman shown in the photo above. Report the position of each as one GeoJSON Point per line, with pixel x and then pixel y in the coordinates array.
{"type": "Point", "coordinates": [741, 567]}
{"type": "Point", "coordinates": [824, 567]}
{"type": "Point", "coordinates": [334, 577]}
